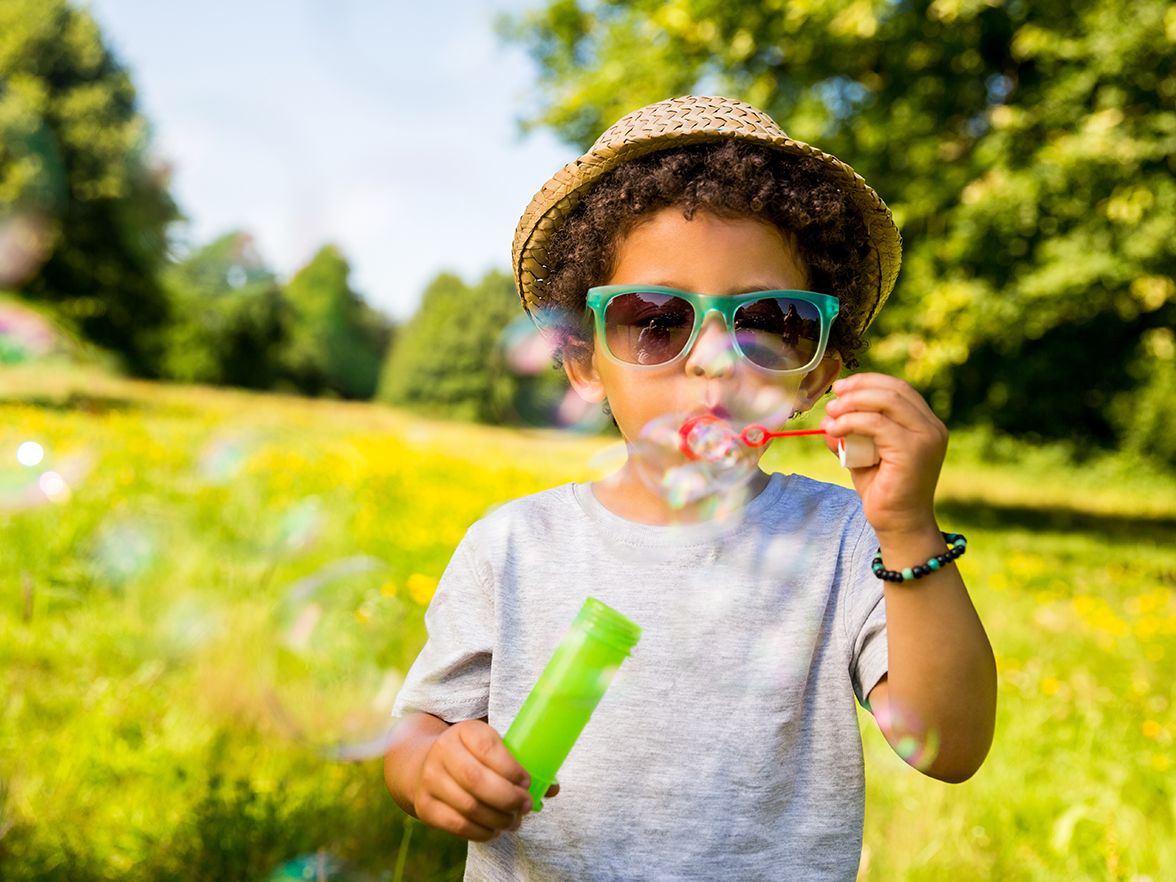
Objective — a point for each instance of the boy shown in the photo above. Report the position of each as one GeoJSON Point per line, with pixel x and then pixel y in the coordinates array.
{"type": "Point", "coordinates": [706, 244]}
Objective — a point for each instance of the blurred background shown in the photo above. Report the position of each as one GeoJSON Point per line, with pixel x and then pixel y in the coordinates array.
{"type": "Point", "coordinates": [262, 363]}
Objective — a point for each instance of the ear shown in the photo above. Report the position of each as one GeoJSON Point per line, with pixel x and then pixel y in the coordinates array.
{"type": "Point", "coordinates": [579, 363]}
{"type": "Point", "coordinates": [816, 381]}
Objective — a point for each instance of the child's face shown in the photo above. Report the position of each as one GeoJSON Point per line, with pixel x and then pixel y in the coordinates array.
{"type": "Point", "coordinates": [705, 255]}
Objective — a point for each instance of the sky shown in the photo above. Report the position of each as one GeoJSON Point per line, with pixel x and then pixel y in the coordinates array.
{"type": "Point", "coordinates": [387, 128]}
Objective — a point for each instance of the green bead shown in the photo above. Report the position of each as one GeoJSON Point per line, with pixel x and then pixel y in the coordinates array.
{"type": "Point", "coordinates": [933, 564]}
{"type": "Point", "coordinates": [907, 575]}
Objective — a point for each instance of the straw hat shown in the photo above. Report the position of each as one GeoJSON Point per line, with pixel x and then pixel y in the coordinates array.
{"type": "Point", "coordinates": [679, 121]}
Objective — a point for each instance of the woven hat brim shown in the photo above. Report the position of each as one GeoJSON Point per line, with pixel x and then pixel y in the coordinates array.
{"type": "Point", "coordinates": [676, 123]}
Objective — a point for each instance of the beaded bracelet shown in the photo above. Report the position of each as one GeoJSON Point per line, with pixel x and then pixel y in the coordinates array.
{"type": "Point", "coordinates": [956, 546]}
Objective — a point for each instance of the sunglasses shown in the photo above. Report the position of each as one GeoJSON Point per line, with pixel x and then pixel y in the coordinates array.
{"type": "Point", "coordinates": [649, 326]}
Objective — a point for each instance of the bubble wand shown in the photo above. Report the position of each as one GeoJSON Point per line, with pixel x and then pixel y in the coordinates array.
{"type": "Point", "coordinates": [696, 441]}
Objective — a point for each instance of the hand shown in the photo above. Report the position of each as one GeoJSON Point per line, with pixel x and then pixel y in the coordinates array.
{"type": "Point", "coordinates": [471, 786]}
{"type": "Point", "coordinates": [898, 493]}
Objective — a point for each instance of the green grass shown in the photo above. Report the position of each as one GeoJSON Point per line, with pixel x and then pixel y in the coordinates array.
{"type": "Point", "coordinates": [137, 741]}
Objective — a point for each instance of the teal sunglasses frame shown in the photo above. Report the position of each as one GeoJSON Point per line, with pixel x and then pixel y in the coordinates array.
{"type": "Point", "coordinates": [704, 304]}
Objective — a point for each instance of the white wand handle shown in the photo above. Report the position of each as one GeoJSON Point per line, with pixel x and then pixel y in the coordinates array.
{"type": "Point", "coordinates": [857, 452]}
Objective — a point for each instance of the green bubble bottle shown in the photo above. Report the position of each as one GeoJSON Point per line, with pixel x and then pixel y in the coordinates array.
{"type": "Point", "coordinates": [575, 679]}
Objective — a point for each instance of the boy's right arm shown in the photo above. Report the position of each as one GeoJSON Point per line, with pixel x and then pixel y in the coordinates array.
{"type": "Point", "coordinates": [459, 778]}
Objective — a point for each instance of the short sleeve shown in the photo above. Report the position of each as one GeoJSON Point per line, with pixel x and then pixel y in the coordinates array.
{"type": "Point", "coordinates": [451, 677]}
{"type": "Point", "coordinates": [864, 610]}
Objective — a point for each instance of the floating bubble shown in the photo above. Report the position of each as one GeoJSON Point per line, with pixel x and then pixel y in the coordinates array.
{"type": "Point", "coordinates": [300, 526]}
{"type": "Point", "coordinates": [608, 459]}
{"type": "Point", "coordinates": [26, 335]}
{"type": "Point", "coordinates": [336, 669]}
{"type": "Point", "coordinates": [32, 476]}
{"type": "Point", "coordinates": [533, 390]}
{"type": "Point", "coordinates": [35, 190]}
{"type": "Point", "coordinates": [317, 867]}
{"type": "Point", "coordinates": [223, 458]}
{"type": "Point", "coordinates": [189, 624]}
{"type": "Point", "coordinates": [918, 745]}
{"type": "Point", "coordinates": [25, 242]}
{"type": "Point", "coordinates": [30, 453]}
{"type": "Point", "coordinates": [688, 462]}
{"type": "Point", "coordinates": [123, 550]}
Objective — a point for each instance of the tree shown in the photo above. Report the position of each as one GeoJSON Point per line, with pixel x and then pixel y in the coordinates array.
{"type": "Point", "coordinates": [76, 181]}
{"type": "Point", "coordinates": [230, 319]}
{"type": "Point", "coordinates": [451, 358]}
{"type": "Point", "coordinates": [1027, 150]}
{"type": "Point", "coordinates": [337, 342]}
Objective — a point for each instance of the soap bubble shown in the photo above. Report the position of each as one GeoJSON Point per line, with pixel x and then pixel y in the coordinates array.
{"type": "Point", "coordinates": [317, 867]}
{"type": "Point", "coordinates": [336, 668]}
{"type": "Point", "coordinates": [36, 191]}
{"type": "Point", "coordinates": [190, 622]}
{"type": "Point", "coordinates": [26, 240]}
{"type": "Point", "coordinates": [532, 390]}
{"type": "Point", "coordinates": [30, 454]}
{"type": "Point", "coordinates": [918, 745]}
{"type": "Point", "coordinates": [223, 457]}
{"type": "Point", "coordinates": [26, 335]}
{"type": "Point", "coordinates": [299, 527]}
{"type": "Point", "coordinates": [687, 459]}
{"type": "Point", "coordinates": [123, 549]}
{"type": "Point", "coordinates": [33, 476]}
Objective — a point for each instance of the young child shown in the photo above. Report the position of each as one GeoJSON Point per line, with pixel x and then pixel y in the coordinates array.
{"type": "Point", "coordinates": [708, 253]}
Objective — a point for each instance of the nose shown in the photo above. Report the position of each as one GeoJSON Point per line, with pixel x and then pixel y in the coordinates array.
{"type": "Point", "coordinates": [713, 354]}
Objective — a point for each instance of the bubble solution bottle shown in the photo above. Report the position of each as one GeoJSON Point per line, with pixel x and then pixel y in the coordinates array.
{"type": "Point", "coordinates": [575, 679]}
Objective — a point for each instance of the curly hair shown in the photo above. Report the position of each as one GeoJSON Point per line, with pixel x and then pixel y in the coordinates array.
{"type": "Point", "coordinates": [730, 179]}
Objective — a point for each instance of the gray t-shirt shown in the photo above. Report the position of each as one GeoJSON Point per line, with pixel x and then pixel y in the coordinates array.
{"type": "Point", "coordinates": [727, 747]}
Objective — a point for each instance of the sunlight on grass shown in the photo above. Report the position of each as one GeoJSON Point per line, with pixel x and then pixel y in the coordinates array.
{"type": "Point", "coordinates": [139, 735]}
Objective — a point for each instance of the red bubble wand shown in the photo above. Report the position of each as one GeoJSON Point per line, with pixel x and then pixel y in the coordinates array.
{"type": "Point", "coordinates": [854, 451]}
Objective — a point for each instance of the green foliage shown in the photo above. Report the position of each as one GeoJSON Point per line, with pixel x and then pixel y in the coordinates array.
{"type": "Point", "coordinates": [1027, 150]}
{"type": "Point", "coordinates": [74, 171]}
{"type": "Point", "coordinates": [337, 341]}
{"type": "Point", "coordinates": [449, 358]}
{"type": "Point", "coordinates": [230, 317]}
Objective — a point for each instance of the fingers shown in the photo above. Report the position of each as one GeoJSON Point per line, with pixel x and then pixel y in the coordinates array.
{"type": "Point", "coordinates": [463, 789]}
{"type": "Point", "coordinates": [486, 744]}
{"type": "Point", "coordinates": [479, 813]}
{"type": "Point", "coordinates": [865, 406]}
{"type": "Point", "coordinates": [438, 814]}
{"type": "Point", "coordinates": [484, 784]}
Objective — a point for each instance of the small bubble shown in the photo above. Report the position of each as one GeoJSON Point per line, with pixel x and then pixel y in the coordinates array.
{"type": "Point", "coordinates": [25, 242]}
{"type": "Point", "coordinates": [123, 550]}
{"type": "Point", "coordinates": [54, 486]}
{"type": "Point", "coordinates": [223, 458]}
{"type": "Point", "coordinates": [30, 453]}
{"type": "Point", "coordinates": [301, 525]}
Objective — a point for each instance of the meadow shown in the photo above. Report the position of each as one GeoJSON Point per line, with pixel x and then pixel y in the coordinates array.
{"type": "Point", "coordinates": [140, 738]}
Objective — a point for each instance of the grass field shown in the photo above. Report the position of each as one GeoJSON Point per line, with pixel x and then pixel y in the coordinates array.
{"type": "Point", "coordinates": [138, 738]}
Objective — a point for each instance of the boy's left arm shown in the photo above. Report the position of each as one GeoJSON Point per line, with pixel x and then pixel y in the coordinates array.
{"type": "Point", "coordinates": [940, 687]}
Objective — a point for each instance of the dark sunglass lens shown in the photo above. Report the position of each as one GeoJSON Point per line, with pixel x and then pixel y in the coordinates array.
{"type": "Point", "coordinates": [778, 333]}
{"type": "Point", "coordinates": [646, 327]}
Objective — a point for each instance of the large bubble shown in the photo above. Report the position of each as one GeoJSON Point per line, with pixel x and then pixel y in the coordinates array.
{"type": "Point", "coordinates": [688, 458]}
{"type": "Point", "coordinates": [26, 335]}
{"type": "Point", "coordinates": [532, 390]}
{"type": "Point", "coordinates": [317, 867]}
{"type": "Point", "coordinates": [335, 668]}
{"type": "Point", "coordinates": [35, 190]}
